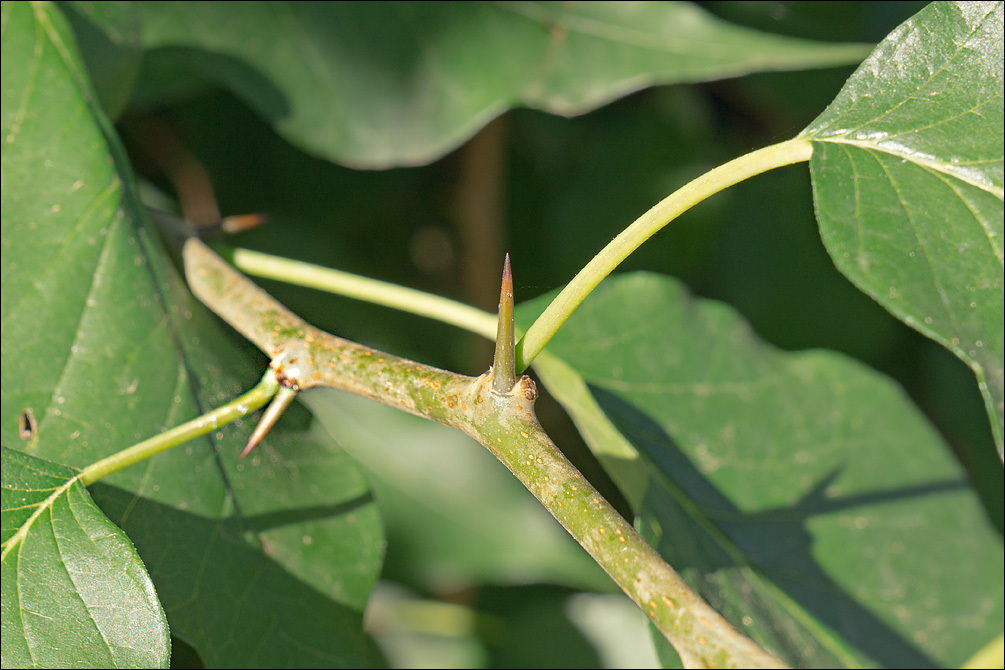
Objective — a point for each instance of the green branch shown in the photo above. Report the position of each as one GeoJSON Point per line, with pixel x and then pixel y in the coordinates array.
{"type": "Point", "coordinates": [495, 408]}
{"type": "Point", "coordinates": [499, 416]}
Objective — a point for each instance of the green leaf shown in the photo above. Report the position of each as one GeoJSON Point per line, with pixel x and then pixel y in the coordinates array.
{"type": "Point", "coordinates": [236, 606]}
{"type": "Point", "coordinates": [105, 346]}
{"type": "Point", "coordinates": [908, 183]}
{"type": "Point", "coordinates": [802, 494]}
{"type": "Point", "coordinates": [66, 566]}
{"type": "Point", "coordinates": [381, 84]}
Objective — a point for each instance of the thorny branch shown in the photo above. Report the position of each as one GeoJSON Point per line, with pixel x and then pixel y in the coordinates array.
{"type": "Point", "coordinates": [496, 409]}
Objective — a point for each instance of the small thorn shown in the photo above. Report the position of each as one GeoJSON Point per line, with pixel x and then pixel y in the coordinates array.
{"type": "Point", "coordinates": [504, 361]}
{"type": "Point", "coordinates": [272, 413]}
{"type": "Point", "coordinates": [242, 222]}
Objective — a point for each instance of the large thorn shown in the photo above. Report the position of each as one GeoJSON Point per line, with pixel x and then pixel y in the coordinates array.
{"type": "Point", "coordinates": [504, 361]}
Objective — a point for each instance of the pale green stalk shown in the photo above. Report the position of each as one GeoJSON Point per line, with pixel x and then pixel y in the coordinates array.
{"type": "Point", "coordinates": [236, 409]}
{"type": "Point", "coordinates": [647, 225]}
{"type": "Point", "coordinates": [232, 411]}
{"type": "Point", "coordinates": [371, 290]}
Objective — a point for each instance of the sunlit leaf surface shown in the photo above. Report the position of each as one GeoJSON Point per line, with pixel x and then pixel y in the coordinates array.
{"type": "Point", "coordinates": [908, 182]}
{"type": "Point", "coordinates": [66, 567]}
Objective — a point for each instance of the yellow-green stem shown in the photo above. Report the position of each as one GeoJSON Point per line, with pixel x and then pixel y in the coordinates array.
{"type": "Point", "coordinates": [647, 225]}
{"type": "Point", "coordinates": [482, 323]}
{"type": "Point", "coordinates": [371, 290]}
{"type": "Point", "coordinates": [246, 404]}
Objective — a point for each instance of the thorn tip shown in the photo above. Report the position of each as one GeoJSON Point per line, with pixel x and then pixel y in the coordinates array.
{"type": "Point", "coordinates": [504, 361]}
{"type": "Point", "coordinates": [279, 403]}
{"type": "Point", "coordinates": [242, 222]}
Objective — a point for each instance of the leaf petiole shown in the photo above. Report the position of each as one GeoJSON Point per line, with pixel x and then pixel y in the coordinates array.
{"type": "Point", "coordinates": [631, 238]}
{"type": "Point", "coordinates": [258, 264]}
{"type": "Point", "coordinates": [221, 416]}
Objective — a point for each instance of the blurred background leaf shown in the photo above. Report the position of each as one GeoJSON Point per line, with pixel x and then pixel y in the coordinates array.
{"type": "Point", "coordinates": [378, 85]}
{"type": "Point", "coordinates": [442, 489]}
{"type": "Point", "coordinates": [108, 39]}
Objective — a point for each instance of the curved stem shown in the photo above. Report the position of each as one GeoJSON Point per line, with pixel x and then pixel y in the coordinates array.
{"type": "Point", "coordinates": [221, 416]}
{"type": "Point", "coordinates": [724, 176]}
{"type": "Point", "coordinates": [371, 290]}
